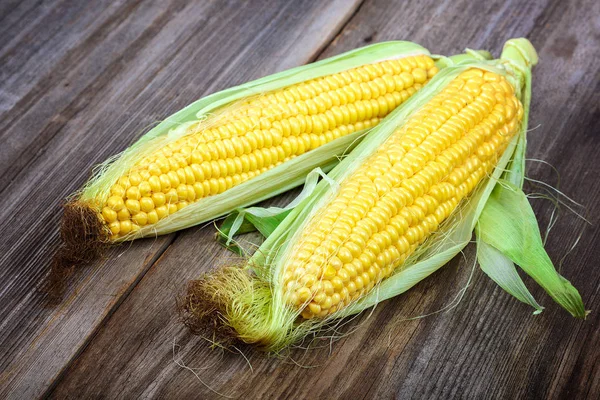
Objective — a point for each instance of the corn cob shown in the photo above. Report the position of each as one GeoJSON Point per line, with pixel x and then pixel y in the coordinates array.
{"type": "Point", "coordinates": [237, 147]}
{"type": "Point", "coordinates": [258, 135]}
{"type": "Point", "coordinates": [402, 193]}
{"type": "Point", "coordinates": [403, 203]}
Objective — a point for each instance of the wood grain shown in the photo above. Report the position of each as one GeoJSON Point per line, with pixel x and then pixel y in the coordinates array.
{"type": "Point", "coordinates": [80, 80]}
{"type": "Point", "coordinates": [85, 79]}
{"type": "Point", "coordinates": [489, 346]}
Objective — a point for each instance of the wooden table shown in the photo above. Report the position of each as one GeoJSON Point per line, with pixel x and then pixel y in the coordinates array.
{"type": "Point", "coordinates": [81, 80]}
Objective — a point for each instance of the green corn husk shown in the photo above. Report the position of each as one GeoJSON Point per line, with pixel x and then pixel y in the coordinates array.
{"type": "Point", "coordinates": [248, 300]}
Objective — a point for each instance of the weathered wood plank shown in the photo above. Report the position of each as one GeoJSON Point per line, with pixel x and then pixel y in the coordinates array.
{"type": "Point", "coordinates": [15, 15]}
{"type": "Point", "coordinates": [83, 59]}
{"type": "Point", "coordinates": [489, 346]}
{"type": "Point", "coordinates": [135, 64]}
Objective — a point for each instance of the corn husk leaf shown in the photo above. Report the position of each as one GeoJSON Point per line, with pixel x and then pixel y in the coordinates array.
{"type": "Point", "coordinates": [502, 270]}
{"type": "Point", "coordinates": [265, 220]}
{"type": "Point", "coordinates": [509, 225]}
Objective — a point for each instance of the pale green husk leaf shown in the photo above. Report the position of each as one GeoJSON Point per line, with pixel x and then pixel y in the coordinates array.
{"type": "Point", "coordinates": [265, 220]}
{"type": "Point", "coordinates": [502, 270]}
{"type": "Point", "coordinates": [509, 225]}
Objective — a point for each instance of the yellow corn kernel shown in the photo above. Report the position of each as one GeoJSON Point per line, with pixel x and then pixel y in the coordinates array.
{"type": "Point", "coordinates": [125, 227]}
{"type": "Point", "coordinates": [123, 214]}
{"type": "Point", "coordinates": [162, 211]}
{"type": "Point", "coordinates": [144, 188]}
{"type": "Point", "coordinates": [159, 199]}
{"type": "Point", "coordinates": [115, 227]}
{"type": "Point", "coordinates": [135, 178]}
{"type": "Point", "coordinates": [146, 204]}
{"type": "Point", "coordinates": [133, 206]}
{"type": "Point", "coordinates": [171, 196]}
{"type": "Point", "coordinates": [115, 203]}
{"type": "Point", "coordinates": [152, 217]}
{"type": "Point", "coordinates": [109, 214]}
{"type": "Point", "coordinates": [117, 190]}
{"type": "Point", "coordinates": [133, 193]}
{"type": "Point", "coordinates": [140, 218]}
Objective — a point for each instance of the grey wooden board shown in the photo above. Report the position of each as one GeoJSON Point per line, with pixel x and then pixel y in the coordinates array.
{"type": "Point", "coordinates": [118, 334]}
